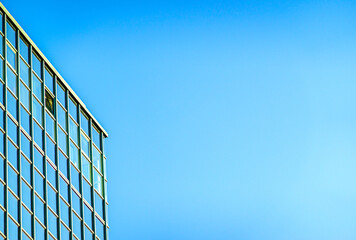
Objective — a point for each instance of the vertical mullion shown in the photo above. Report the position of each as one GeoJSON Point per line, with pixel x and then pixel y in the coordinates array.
{"type": "Point", "coordinates": [18, 127]}
{"type": "Point", "coordinates": [5, 128]}
{"type": "Point", "coordinates": [103, 166]}
{"type": "Point", "coordinates": [32, 145]}
{"type": "Point", "coordinates": [80, 171]}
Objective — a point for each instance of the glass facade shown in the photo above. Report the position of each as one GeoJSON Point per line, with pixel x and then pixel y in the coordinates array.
{"type": "Point", "coordinates": [52, 162]}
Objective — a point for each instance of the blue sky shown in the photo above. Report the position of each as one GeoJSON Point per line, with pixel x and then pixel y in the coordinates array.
{"type": "Point", "coordinates": [227, 119]}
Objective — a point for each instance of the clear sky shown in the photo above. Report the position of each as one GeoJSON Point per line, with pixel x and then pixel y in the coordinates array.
{"type": "Point", "coordinates": [227, 119]}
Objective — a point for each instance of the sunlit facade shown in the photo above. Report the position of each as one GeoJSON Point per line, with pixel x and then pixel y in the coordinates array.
{"type": "Point", "coordinates": [52, 160]}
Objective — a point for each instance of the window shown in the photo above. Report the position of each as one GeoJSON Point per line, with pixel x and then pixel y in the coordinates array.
{"type": "Point", "coordinates": [13, 155]}
{"type": "Point", "coordinates": [39, 184]}
{"type": "Point", "coordinates": [73, 131]}
{"type": "Point", "coordinates": [84, 122]}
{"type": "Point", "coordinates": [12, 130]}
{"type": "Point", "coordinates": [36, 65]}
{"type": "Point", "coordinates": [65, 211]}
{"type": "Point", "coordinates": [73, 109]}
{"type": "Point", "coordinates": [75, 178]}
{"type": "Point", "coordinates": [26, 169]}
{"type": "Point", "coordinates": [49, 80]}
{"type": "Point", "coordinates": [37, 111]}
{"type": "Point", "coordinates": [52, 224]}
{"type": "Point", "coordinates": [88, 216]}
{"type": "Point", "coordinates": [37, 88]}
{"type": "Point", "coordinates": [12, 104]}
{"type": "Point", "coordinates": [77, 226]}
{"type": "Point", "coordinates": [25, 120]}
{"type": "Point", "coordinates": [13, 230]}
{"type": "Point", "coordinates": [97, 159]}
{"type": "Point", "coordinates": [61, 95]}
{"type": "Point", "coordinates": [2, 195]}
{"type": "Point", "coordinates": [65, 234]}
{"type": "Point", "coordinates": [96, 137]}
{"type": "Point", "coordinates": [39, 209]}
{"type": "Point", "coordinates": [26, 220]}
{"type": "Point", "coordinates": [40, 232]}
{"type": "Point", "coordinates": [99, 205]}
{"type": "Point", "coordinates": [62, 120]}
{"type": "Point", "coordinates": [50, 126]}
{"type": "Point", "coordinates": [64, 189]}
{"type": "Point", "coordinates": [99, 229]}
{"type": "Point", "coordinates": [63, 164]}
{"type": "Point", "coordinates": [51, 175]}
{"type": "Point", "coordinates": [25, 96]}
{"type": "Point", "coordinates": [85, 145]}
{"type": "Point", "coordinates": [74, 154]}
{"type": "Point", "coordinates": [87, 191]}
{"type": "Point", "coordinates": [49, 103]}
{"type": "Point", "coordinates": [11, 80]}
{"type": "Point", "coordinates": [88, 234]}
{"type": "Point", "coordinates": [86, 168]}
{"type": "Point", "coordinates": [25, 145]}
{"type": "Point", "coordinates": [13, 180]}
{"type": "Point", "coordinates": [26, 195]}
{"type": "Point", "coordinates": [13, 204]}
{"type": "Point", "coordinates": [52, 198]}
{"type": "Point", "coordinates": [11, 57]}
{"type": "Point", "coordinates": [38, 135]}
{"type": "Point", "coordinates": [62, 140]}
{"type": "Point", "coordinates": [50, 150]}
{"type": "Point", "coordinates": [11, 34]}
{"type": "Point", "coordinates": [76, 203]}
{"type": "Point", "coordinates": [38, 160]}
{"type": "Point", "coordinates": [24, 50]}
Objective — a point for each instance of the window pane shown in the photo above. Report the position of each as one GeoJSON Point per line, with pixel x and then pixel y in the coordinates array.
{"type": "Point", "coordinates": [38, 160]}
{"type": "Point", "coordinates": [50, 149]}
{"type": "Point", "coordinates": [61, 95]}
{"type": "Point", "coordinates": [25, 96]}
{"type": "Point", "coordinates": [38, 135]}
{"type": "Point", "coordinates": [2, 221]}
{"type": "Point", "coordinates": [73, 131]}
{"type": "Point", "coordinates": [2, 168]}
{"type": "Point", "coordinates": [12, 155]}
{"type": "Point", "coordinates": [74, 154]}
{"type": "Point", "coordinates": [88, 216]}
{"type": "Point", "coordinates": [26, 169]}
{"type": "Point", "coordinates": [52, 224]}
{"type": "Point", "coordinates": [39, 209]}
{"type": "Point", "coordinates": [98, 184]}
{"type": "Point", "coordinates": [39, 184]}
{"type": "Point", "coordinates": [73, 109]}
{"type": "Point", "coordinates": [13, 230]}
{"type": "Point", "coordinates": [12, 130]}
{"type": "Point", "coordinates": [97, 159]}
{"type": "Point", "coordinates": [76, 203]}
{"type": "Point", "coordinates": [96, 137]}
{"type": "Point", "coordinates": [13, 180]}
{"type": "Point", "coordinates": [49, 80]}
{"type": "Point", "coordinates": [49, 103]}
{"type": "Point", "coordinates": [11, 57]}
{"type": "Point", "coordinates": [87, 192]}
{"type": "Point", "coordinates": [52, 198]}
{"type": "Point", "coordinates": [84, 122]}
{"type": "Point", "coordinates": [75, 178]}
{"type": "Point", "coordinates": [12, 105]}
{"type": "Point", "coordinates": [37, 111]}
{"type": "Point", "coordinates": [88, 234]}
{"type": "Point", "coordinates": [85, 145]}
{"type": "Point", "coordinates": [65, 211]}
{"type": "Point", "coordinates": [27, 220]}
{"type": "Point", "coordinates": [50, 126]}
{"type": "Point", "coordinates": [37, 88]}
{"type": "Point", "coordinates": [62, 140]}
{"type": "Point", "coordinates": [2, 195]}
{"type": "Point", "coordinates": [25, 145]}
{"type": "Point", "coordinates": [63, 164]}
{"type": "Point", "coordinates": [13, 205]}
{"type": "Point", "coordinates": [36, 65]}
{"type": "Point", "coordinates": [62, 117]}
{"type": "Point", "coordinates": [26, 195]}
{"type": "Point", "coordinates": [99, 229]}
{"type": "Point", "coordinates": [86, 168]}
{"type": "Point", "coordinates": [24, 50]}
{"type": "Point", "coordinates": [11, 34]}
{"type": "Point", "coordinates": [51, 175]}
{"type": "Point", "coordinates": [25, 120]}
{"type": "Point", "coordinates": [40, 232]}
{"type": "Point", "coordinates": [65, 234]}
{"type": "Point", "coordinates": [64, 189]}
{"type": "Point", "coordinates": [2, 138]}
{"type": "Point", "coordinates": [1, 66]}
{"type": "Point", "coordinates": [77, 226]}
{"type": "Point", "coordinates": [11, 80]}
{"type": "Point", "coordinates": [24, 73]}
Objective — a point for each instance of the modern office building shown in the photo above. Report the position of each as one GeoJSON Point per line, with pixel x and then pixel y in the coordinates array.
{"type": "Point", "coordinates": [52, 159]}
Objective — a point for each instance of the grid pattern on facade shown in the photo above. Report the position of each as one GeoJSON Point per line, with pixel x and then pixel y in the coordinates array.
{"type": "Point", "coordinates": [52, 161]}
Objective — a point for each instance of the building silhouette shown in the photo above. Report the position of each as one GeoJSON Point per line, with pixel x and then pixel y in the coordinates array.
{"type": "Point", "coordinates": [52, 160]}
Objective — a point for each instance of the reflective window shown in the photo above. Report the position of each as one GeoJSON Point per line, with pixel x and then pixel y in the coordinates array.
{"type": "Point", "coordinates": [37, 111]}
{"type": "Point", "coordinates": [11, 57]}
{"type": "Point", "coordinates": [12, 104]}
{"type": "Point", "coordinates": [37, 88]}
{"type": "Point", "coordinates": [25, 120]}
{"type": "Point", "coordinates": [64, 189]}
{"type": "Point", "coordinates": [84, 122]}
{"type": "Point", "coordinates": [36, 65]}
{"type": "Point", "coordinates": [13, 205]}
{"type": "Point", "coordinates": [25, 96]}
{"type": "Point", "coordinates": [49, 103]}
{"type": "Point", "coordinates": [50, 126]}
{"type": "Point", "coordinates": [2, 144]}
{"type": "Point", "coordinates": [11, 34]}
{"type": "Point", "coordinates": [88, 216]}
{"type": "Point", "coordinates": [40, 232]}
{"type": "Point", "coordinates": [98, 184]}
{"type": "Point", "coordinates": [24, 72]}
{"type": "Point", "coordinates": [2, 87]}
{"type": "Point", "coordinates": [51, 175]}
{"type": "Point", "coordinates": [1, 118]}
{"type": "Point", "coordinates": [77, 226]}
{"type": "Point", "coordinates": [52, 198]}
{"type": "Point", "coordinates": [50, 150]}
{"type": "Point", "coordinates": [88, 234]}
{"type": "Point", "coordinates": [26, 169]}
{"type": "Point", "coordinates": [2, 221]}
{"type": "Point", "coordinates": [73, 131]}
{"type": "Point", "coordinates": [49, 80]}
{"type": "Point", "coordinates": [65, 211]}
{"type": "Point", "coordinates": [96, 137]}
{"type": "Point", "coordinates": [38, 135]}
{"type": "Point", "coordinates": [61, 117]}
{"type": "Point", "coordinates": [63, 164]}
{"type": "Point", "coordinates": [11, 80]}
{"type": "Point", "coordinates": [13, 230]}
{"type": "Point", "coordinates": [26, 195]}
{"type": "Point", "coordinates": [65, 234]}
{"type": "Point", "coordinates": [76, 203]}
{"type": "Point", "coordinates": [26, 220]}
{"type": "Point", "coordinates": [99, 229]}
{"type": "Point", "coordinates": [39, 184]}
{"type": "Point", "coordinates": [74, 154]}
{"type": "Point", "coordinates": [97, 159]}
{"type": "Point", "coordinates": [73, 109]}
{"type": "Point", "coordinates": [1, 66]}
{"type": "Point", "coordinates": [87, 191]}
{"type": "Point", "coordinates": [13, 180]}
{"type": "Point", "coordinates": [52, 224]}
{"type": "Point", "coordinates": [39, 209]}
{"type": "Point", "coordinates": [24, 50]}
{"type": "Point", "coordinates": [12, 155]}
{"type": "Point", "coordinates": [85, 145]}
{"type": "Point", "coordinates": [62, 140]}
{"type": "Point", "coordinates": [2, 168]}
{"type": "Point", "coordinates": [25, 145]}
{"type": "Point", "coordinates": [61, 95]}
{"type": "Point", "coordinates": [2, 195]}
{"type": "Point", "coordinates": [38, 160]}
{"type": "Point", "coordinates": [12, 130]}
{"type": "Point", "coordinates": [86, 168]}
{"type": "Point", "coordinates": [75, 178]}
